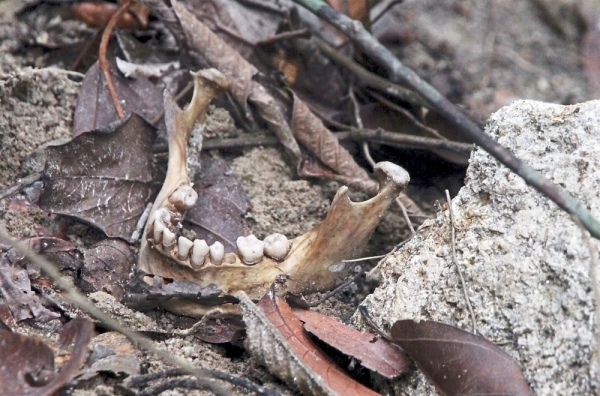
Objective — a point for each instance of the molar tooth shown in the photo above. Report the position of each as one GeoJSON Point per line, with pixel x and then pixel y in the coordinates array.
{"type": "Point", "coordinates": [159, 228]}
{"type": "Point", "coordinates": [250, 249]}
{"type": "Point", "coordinates": [168, 240]}
{"type": "Point", "coordinates": [183, 247]}
{"type": "Point", "coordinates": [199, 252]}
{"type": "Point", "coordinates": [277, 246]}
{"type": "Point", "coordinates": [217, 253]}
{"type": "Point", "coordinates": [184, 197]}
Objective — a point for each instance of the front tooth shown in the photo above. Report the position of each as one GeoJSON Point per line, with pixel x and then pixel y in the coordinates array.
{"type": "Point", "coordinates": [159, 228]}
{"type": "Point", "coordinates": [250, 249]}
{"type": "Point", "coordinates": [168, 240]}
{"type": "Point", "coordinates": [277, 246]}
{"type": "Point", "coordinates": [163, 214]}
{"type": "Point", "coordinates": [217, 253]}
{"type": "Point", "coordinates": [199, 252]}
{"type": "Point", "coordinates": [183, 247]}
{"type": "Point", "coordinates": [184, 198]}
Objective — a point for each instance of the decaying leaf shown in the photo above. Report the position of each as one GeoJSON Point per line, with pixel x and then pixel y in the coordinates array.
{"type": "Point", "coordinates": [27, 364]}
{"type": "Point", "coordinates": [106, 267]}
{"type": "Point", "coordinates": [103, 178]}
{"type": "Point", "coordinates": [276, 337]}
{"type": "Point", "coordinates": [459, 362]}
{"type": "Point", "coordinates": [222, 202]}
{"type": "Point", "coordinates": [15, 287]}
{"type": "Point", "coordinates": [95, 109]}
{"type": "Point", "coordinates": [111, 352]}
{"type": "Point", "coordinates": [380, 356]}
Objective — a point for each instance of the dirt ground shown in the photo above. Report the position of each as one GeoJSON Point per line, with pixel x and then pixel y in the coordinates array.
{"type": "Point", "coordinates": [468, 50]}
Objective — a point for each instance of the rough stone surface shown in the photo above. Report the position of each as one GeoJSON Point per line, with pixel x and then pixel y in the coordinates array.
{"type": "Point", "coordinates": [525, 263]}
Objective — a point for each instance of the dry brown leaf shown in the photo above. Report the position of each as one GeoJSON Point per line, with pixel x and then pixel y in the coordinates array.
{"type": "Point", "coordinates": [387, 359]}
{"type": "Point", "coordinates": [278, 339]}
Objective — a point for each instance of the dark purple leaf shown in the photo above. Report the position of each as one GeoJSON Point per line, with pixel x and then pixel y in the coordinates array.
{"type": "Point", "coordinates": [95, 109]}
{"type": "Point", "coordinates": [217, 215]}
{"type": "Point", "coordinates": [459, 362]}
{"type": "Point", "coordinates": [104, 178]}
{"type": "Point", "coordinates": [106, 267]}
{"type": "Point", "coordinates": [27, 364]}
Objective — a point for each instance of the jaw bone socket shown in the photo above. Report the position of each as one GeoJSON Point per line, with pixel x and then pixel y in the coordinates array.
{"type": "Point", "coordinates": [250, 249]}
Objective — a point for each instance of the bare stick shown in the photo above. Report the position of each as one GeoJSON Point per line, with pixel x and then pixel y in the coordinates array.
{"type": "Point", "coordinates": [399, 73]}
{"type": "Point", "coordinates": [337, 289]}
{"type": "Point", "coordinates": [462, 279]}
{"type": "Point", "coordinates": [83, 303]}
{"type": "Point", "coordinates": [364, 259]}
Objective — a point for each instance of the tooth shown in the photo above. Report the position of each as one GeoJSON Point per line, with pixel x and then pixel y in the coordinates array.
{"type": "Point", "coordinates": [159, 227]}
{"type": "Point", "coordinates": [217, 253]}
{"type": "Point", "coordinates": [250, 249]}
{"type": "Point", "coordinates": [168, 240]}
{"type": "Point", "coordinates": [277, 246]}
{"type": "Point", "coordinates": [183, 247]}
{"type": "Point", "coordinates": [184, 198]}
{"type": "Point", "coordinates": [199, 252]}
{"type": "Point", "coordinates": [163, 214]}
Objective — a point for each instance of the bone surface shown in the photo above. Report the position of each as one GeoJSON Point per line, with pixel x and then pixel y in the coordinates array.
{"type": "Point", "coordinates": [199, 252]}
{"type": "Point", "coordinates": [183, 247]}
{"type": "Point", "coordinates": [276, 246]}
{"type": "Point", "coordinates": [217, 253]}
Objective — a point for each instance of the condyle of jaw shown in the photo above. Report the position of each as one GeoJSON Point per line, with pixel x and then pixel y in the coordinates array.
{"type": "Point", "coordinates": [311, 262]}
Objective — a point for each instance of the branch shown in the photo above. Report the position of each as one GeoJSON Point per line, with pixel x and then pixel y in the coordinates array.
{"type": "Point", "coordinates": [401, 74]}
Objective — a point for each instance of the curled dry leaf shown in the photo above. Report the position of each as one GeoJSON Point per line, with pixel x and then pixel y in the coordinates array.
{"type": "Point", "coordinates": [111, 352]}
{"type": "Point", "coordinates": [95, 109]}
{"type": "Point", "coordinates": [380, 356]}
{"type": "Point", "coordinates": [15, 288]}
{"type": "Point", "coordinates": [277, 338]}
{"type": "Point", "coordinates": [27, 364]}
{"type": "Point", "coordinates": [459, 362]}
{"type": "Point", "coordinates": [103, 178]}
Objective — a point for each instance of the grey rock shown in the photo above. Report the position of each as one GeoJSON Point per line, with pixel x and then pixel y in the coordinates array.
{"type": "Point", "coordinates": [525, 263]}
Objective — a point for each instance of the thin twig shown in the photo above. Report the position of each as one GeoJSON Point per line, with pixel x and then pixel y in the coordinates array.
{"type": "Point", "coordinates": [103, 62]}
{"type": "Point", "coordinates": [388, 7]}
{"type": "Point", "coordinates": [337, 290]}
{"type": "Point", "coordinates": [364, 259]}
{"type": "Point", "coordinates": [374, 135]}
{"type": "Point", "coordinates": [27, 180]}
{"type": "Point", "coordinates": [368, 78]}
{"type": "Point", "coordinates": [365, 313]}
{"type": "Point", "coordinates": [462, 279]}
{"type": "Point", "coordinates": [378, 266]}
{"type": "Point", "coordinates": [83, 303]}
{"type": "Point", "coordinates": [593, 274]}
{"type": "Point", "coordinates": [199, 325]}
{"type": "Point", "coordinates": [139, 381]}
{"type": "Point", "coordinates": [300, 33]}
{"type": "Point", "coordinates": [408, 115]}
{"type": "Point", "coordinates": [180, 95]}
{"type": "Point", "coordinates": [399, 73]}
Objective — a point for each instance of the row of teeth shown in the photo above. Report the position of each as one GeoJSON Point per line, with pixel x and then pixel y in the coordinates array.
{"type": "Point", "coordinates": [250, 249]}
